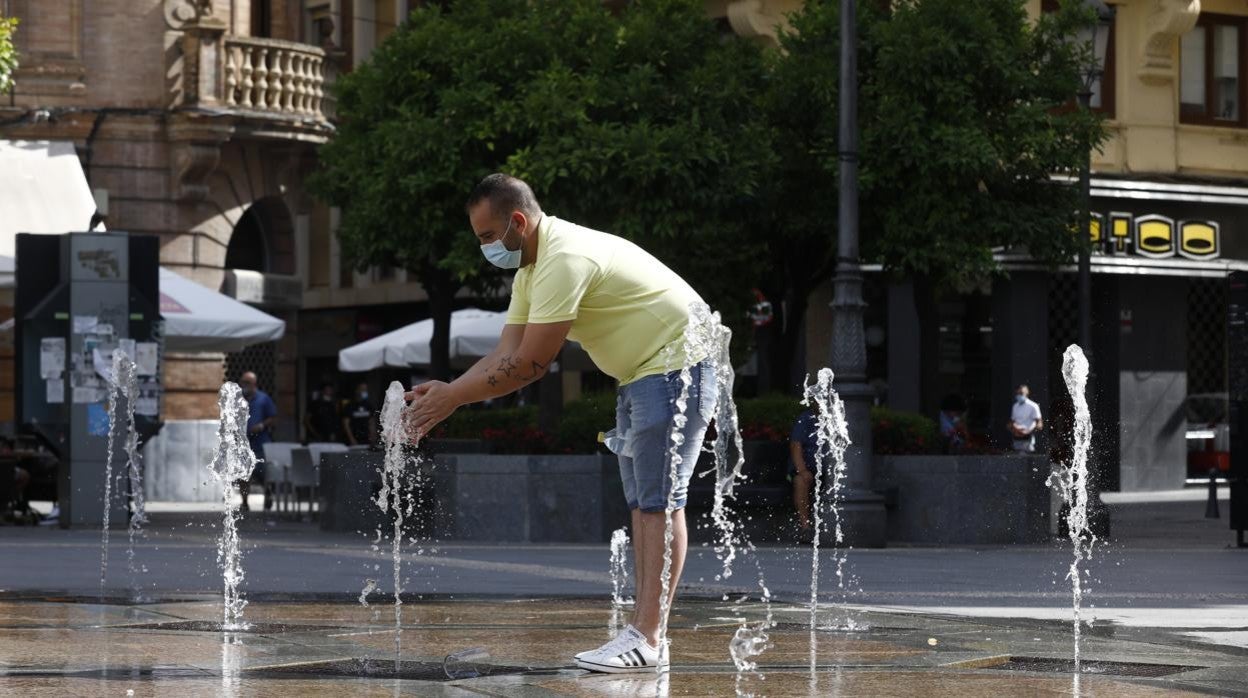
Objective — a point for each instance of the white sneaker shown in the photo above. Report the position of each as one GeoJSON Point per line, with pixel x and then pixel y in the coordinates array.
{"type": "Point", "coordinates": [603, 648]}
{"type": "Point", "coordinates": [609, 643]}
{"type": "Point", "coordinates": [627, 653]}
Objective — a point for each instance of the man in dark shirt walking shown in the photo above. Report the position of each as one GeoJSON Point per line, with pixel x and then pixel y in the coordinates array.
{"type": "Point", "coordinates": [322, 420]}
{"type": "Point", "coordinates": [357, 418]}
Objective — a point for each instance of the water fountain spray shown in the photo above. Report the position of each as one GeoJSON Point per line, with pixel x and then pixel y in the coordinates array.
{"type": "Point", "coordinates": [674, 459]}
{"type": "Point", "coordinates": [125, 378]}
{"type": "Point", "coordinates": [1072, 481]}
{"type": "Point", "coordinates": [232, 462]}
{"type": "Point", "coordinates": [113, 400]}
{"type": "Point", "coordinates": [122, 391]}
{"type": "Point", "coordinates": [832, 440]}
{"type": "Point", "coordinates": [707, 338]}
{"type": "Point", "coordinates": [391, 497]}
{"type": "Point", "coordinates": [727, 439]}
{"type": "Point", "coordinates": [619, 573]}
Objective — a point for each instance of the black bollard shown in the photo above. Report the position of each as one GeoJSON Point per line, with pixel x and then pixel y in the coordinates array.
{"type": "Point", "coordinates": [1211, 508]}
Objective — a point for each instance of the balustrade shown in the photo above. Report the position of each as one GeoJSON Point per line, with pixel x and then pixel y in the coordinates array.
{"type": "Point", "coordinates": [270, 75]}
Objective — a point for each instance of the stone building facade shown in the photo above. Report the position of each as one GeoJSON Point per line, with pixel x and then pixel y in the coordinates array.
{"type": "Point", "coordinates": [195, 121]}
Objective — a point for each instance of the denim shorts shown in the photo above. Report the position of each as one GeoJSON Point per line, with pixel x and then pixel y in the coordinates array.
{"type": "Point", "coordinates": [644, 416]}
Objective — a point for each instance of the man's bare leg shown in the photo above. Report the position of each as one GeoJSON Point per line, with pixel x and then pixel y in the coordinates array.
{"type": "Point", "coordinates": [650, 555]}
{"type": "Point", "coordinates": [639, 567]}
{"type": "Point", "coordinates": [803, 482]}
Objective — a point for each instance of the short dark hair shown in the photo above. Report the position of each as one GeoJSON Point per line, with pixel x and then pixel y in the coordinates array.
{"type": "Point", "coordinates": [505, 194]}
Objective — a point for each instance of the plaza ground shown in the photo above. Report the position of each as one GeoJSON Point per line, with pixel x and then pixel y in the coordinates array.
{"type": "Point", "coordinates": [1167, 591]}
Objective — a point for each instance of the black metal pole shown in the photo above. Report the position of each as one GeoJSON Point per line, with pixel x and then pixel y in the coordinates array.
{"type": "Point", "coordinates": [1098, 513]}
{"type": "Point", "coordinates": [1085, 257]}
{"type": "Point", "coordinates": [847, 233]}
{"type": "Point", "coordinates": [864, 510]}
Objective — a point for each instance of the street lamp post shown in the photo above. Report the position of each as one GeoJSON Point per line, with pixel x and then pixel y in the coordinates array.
{"type": "Point", "coordinates": [862, 510]}
{"type": "Point", "coordinates": [1097, 37]}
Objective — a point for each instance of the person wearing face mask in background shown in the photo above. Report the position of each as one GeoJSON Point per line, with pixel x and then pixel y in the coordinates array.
{"type": "Point", "coordinates": [357, 418]}
{"type": "Point", "coordinates": [1025, 421]}
{"type": "Point", "coordinates": [261, 416]}
{"type": "Point", "coordinates": [625, 308]}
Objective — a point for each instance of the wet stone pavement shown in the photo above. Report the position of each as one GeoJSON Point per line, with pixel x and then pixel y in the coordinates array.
{"type": "Point", "coordinates": [310, 645]}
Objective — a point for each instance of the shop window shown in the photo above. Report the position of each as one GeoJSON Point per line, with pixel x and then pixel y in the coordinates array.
{"type": "Point", "coordinates": [1211, 57]}
{"type": "Point", "coordinates": [385, 12]}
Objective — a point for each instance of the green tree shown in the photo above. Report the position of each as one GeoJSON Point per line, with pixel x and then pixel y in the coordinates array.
{"type": "Point", "coordinates": [964, 121]}
{"type": "Point", "coordinates": [8, 54]}
{"type": "Point", "coordinates": [639, 124]}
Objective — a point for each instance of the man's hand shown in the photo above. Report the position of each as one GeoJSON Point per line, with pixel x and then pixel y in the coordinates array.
{"type": "Point", "coordinates": [256, 429]}
{"type": "Point", "coordinates": [432, 403]}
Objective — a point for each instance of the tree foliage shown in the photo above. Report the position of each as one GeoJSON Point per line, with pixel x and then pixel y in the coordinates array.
{"type": "Point", "coordinates": [719, 158]}
{"type": "Point", "coordinates": [968, 125]}
{"type": "Point", "coordinates": [963, 125]}
{"type": "Point", "coordinates": [964, 119]}
{"type": "Point", "coordinates": [630, 123]}
{"type": "Point", "coordinates": [8, 54]}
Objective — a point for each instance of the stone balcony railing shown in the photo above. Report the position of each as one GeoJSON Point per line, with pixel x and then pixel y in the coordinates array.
{"type": "Point", "coordinates": [267, 79]}
{"type": "Point", "coordinates": [269, 75]}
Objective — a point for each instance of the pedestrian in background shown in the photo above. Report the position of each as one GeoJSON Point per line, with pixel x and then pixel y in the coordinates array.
{"type": "Point", "coordinates": [953, 424]}
{"type": "Point", "coordinates": [322, 419]}
{"type": "Point", "coordinates": [803, 443]}
{"type": "Point", "coordinates": [261, 417]}
{"type": "Point", "coordinates": [1025, 421]}
{"type": "Point", "coordinates": [357, 419]}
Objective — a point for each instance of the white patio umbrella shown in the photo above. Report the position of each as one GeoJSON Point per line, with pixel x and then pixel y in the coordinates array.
{"type": "Point", "coordinates": [200, 319]}
{"type": "Point", "coordinates": [472, 336]}
{"type": "Point", "coordinates": [409, 345]}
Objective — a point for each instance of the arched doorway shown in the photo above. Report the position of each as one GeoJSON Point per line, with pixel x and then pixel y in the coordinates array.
{"type": "Point", "coordinates": [263, 242]}
{"type": "Point", "coordinates": [263, 239]}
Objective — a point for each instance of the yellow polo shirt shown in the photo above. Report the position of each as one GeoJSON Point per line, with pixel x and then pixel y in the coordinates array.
{"type": "Point", "coordinates": [624, 304]}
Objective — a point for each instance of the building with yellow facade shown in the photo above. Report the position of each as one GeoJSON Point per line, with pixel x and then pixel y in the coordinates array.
{"type": "Point", "coordinates": [1170, 217]}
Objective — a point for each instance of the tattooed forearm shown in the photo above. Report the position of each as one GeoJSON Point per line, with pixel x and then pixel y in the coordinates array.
{"type": "Point", "coordinates": [506, 365]}
{"type": "Point", "coordinates": [535, 372]}
{"type": "Point", "coordinates": [509, 367]}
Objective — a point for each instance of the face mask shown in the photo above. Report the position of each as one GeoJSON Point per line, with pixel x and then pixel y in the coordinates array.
{"type": "Point", "coordinates": [498, 254]}
{"type": "Point", "coordinates": [1020, 398]}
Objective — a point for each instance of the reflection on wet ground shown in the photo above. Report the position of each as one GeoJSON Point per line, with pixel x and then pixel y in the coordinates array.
{"type": "Point", "coordinates": [315, 647]}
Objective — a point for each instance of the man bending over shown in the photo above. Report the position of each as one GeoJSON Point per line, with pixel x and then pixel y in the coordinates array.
{"type": "Point", "coordinates": [625, 308]}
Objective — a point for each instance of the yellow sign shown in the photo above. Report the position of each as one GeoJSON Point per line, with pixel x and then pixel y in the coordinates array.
{"type": "Point", "coordinates": [1156, 236]}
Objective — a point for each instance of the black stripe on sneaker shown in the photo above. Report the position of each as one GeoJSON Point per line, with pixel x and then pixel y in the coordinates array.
{"type": "Point", "coordinates": [626, 659]}
{"type": "Point", "coordinates": [641, 661]}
